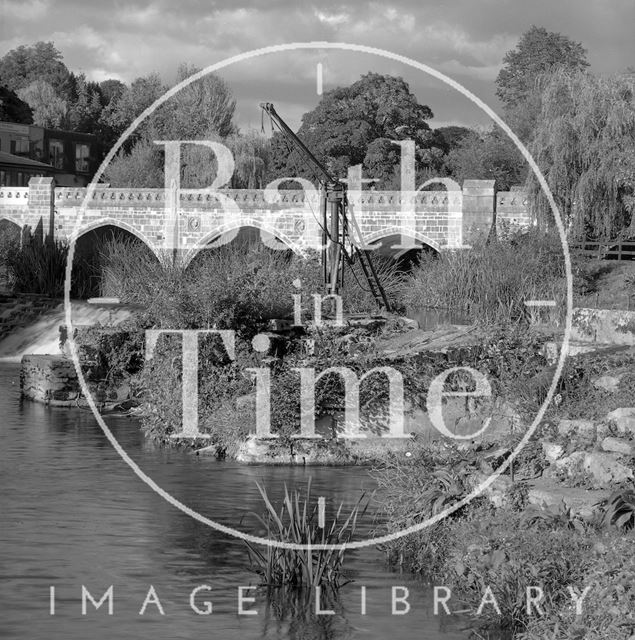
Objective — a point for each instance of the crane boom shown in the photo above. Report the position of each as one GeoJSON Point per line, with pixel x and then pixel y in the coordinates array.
{"type": "Point", "coordinates": [336, 228]}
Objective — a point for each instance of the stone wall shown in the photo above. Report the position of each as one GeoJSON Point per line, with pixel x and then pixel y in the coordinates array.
{"type": "Point", "coordinates": [512, 212]}
{"type": "Point", "coordinates": [191, 218]}
{"type": "Point", "coordinates": [49, 379]}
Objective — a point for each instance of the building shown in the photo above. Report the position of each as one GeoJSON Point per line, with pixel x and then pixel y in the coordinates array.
{"type": "Point", "coordinates": [74, 156]}
{"type": "Point", "coordinates": [16, 171]}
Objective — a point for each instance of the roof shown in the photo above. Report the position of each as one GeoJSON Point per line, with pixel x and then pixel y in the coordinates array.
{"type": "Point", "coordinates": [8, 159]}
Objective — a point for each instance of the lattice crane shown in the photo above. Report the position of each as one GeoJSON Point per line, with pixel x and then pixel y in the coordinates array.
{"type": "Point", "coordinates": [336, 222]}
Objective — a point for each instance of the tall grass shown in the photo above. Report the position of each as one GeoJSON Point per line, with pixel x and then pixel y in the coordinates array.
{"type": "Point", "coordinates": [297, 522]}
{"type": "Point", "coordinates": [36, 266]}
{"type": "Point", "coordinates": [237, 286]}
{"type": "Point", "coordinates": [490, 282]}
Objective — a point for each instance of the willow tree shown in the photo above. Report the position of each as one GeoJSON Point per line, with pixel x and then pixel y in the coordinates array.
{"type": "Point", "coordinates": [584, 144]}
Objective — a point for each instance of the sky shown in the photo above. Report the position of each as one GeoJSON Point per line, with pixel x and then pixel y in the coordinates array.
{"type": "Point", "coordinates": [463, 39]}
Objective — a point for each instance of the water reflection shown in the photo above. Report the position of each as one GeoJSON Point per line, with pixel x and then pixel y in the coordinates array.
{"type": "Point", "coordinates": [72, 514]}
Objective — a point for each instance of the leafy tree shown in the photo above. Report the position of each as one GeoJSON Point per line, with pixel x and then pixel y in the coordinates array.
{"type": "Point", "coordinates": [111, 89]}
{"type": "Point", "coordinates": [201, 111]}
{"type": "Point", "coordinates": [24, 65]}
{"type": "Point", "coordinates": [521, 80]}
{"type": "Point", "coordinates": [341, 129]}
{"type": "Point", "coordinates": [142, 167]}
{"type": "Point", "coordinates": [538, 52]}
{"type": "Point", "coordinates": [12, 109]}
{"type": "Point", "coordinates": [130, 103]}
{"type": "Point", "coordinates": [251, 154]}
{"type": "Point", "coordinates": [202, 108]}
{"type": "Point", "coordinates": [585, 147]}
{"type": "Point", "coordinates": [453, 135]}
{"type": "Point", "coordinates": [85, 110]}
{"type": "Point", "coordinates": [489, 155]}
{"type": "Point", "coordinates": [49, 110]}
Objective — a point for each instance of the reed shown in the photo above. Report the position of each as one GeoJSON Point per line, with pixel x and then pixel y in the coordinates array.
{"type": "Point", "coordinates": [37, 266]}
{"type": "Point", "coordinates": [491, 282]}
{"type": "Point", "coordinates": [296, 521]}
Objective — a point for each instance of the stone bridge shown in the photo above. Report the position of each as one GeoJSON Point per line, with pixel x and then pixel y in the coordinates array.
{"type": "Point", "coordinates": [192, 219]}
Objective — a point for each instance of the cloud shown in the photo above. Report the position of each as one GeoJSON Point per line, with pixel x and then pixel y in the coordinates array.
{"type": "Point", "coordinates": [464, 39]}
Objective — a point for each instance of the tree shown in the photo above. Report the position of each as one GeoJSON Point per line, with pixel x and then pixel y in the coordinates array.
{"type": "Point", "coordinates": [24, 65]}
{"type": "Point", "coordinates": [140, 168]}
{"type": "Point", "coordinates": [489, 155]}
{"type": "Point", "coordinates": [251, 154]}
{"type": "Point", "coordinates": [49, 110]}
{"type": "Point", "coordinates": [538, 52]}
{"type": "Point", "coordinates": [201, 111]}
{"type": "Point", "coordinates": [585, 147]}
{"type": "Point", "coordinates": [204, 107]}
{"type": "Point", "coordinates": [341, 129]}
{"type": "Point", "coordinates": [130, 103]}
{"type": "Point", "coordinates": [85, 109]}
{"type": "Point", "coordinates": [453, 135]}
{"type": "Point", "coordinates": [12, 109]}
{"type": "Point", "coordinates": [111, 89]}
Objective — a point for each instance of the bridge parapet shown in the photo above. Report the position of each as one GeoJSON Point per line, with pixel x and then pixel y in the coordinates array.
{"type": "Point", "coordinates": [512, 212]}
{"type": "Point", "coordinates": [11, 196]}
{"type": "Point", "coordinates": [441, 219]}
{"type": "Point", "coordinates": [253, 198]}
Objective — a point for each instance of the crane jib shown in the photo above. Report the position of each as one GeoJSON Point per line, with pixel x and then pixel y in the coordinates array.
{"type": "Point", "coordinates": [336, 226]}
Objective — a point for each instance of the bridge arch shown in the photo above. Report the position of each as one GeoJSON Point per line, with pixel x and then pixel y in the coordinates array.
{"type": "Point", "coordinates": [395, 232]}
{"type": "Point", "coordinates": [88, 265]}
{"type": "Point", "coordinates": [245, 223]}
{"type": "Point", "coordinates": [124, 226]}
{"type": "Point", "coordinates": [4, 219]}
{"type": "Point", "coordinates": [406, 258]}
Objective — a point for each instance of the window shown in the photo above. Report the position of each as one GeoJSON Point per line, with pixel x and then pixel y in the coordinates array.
{"type": "Point", "coordinates": [20, 147]}
{"type": "Point", "coordinates": [82, 156]}
{"type": "Point", "coordinates": [56, 153]}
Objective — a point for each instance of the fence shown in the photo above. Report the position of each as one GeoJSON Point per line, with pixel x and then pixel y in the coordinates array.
{"type": "Point", "coordinates": [613, 250]}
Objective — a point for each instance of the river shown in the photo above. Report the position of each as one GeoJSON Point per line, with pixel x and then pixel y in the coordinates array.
{"type": "Point", "coordinates": [74, 514]}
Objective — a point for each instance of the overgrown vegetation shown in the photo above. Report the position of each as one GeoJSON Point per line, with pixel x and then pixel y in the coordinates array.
{"type": "Point", "coordinates": [517, 545]}
{"type": "Point", "coordinates": [509, 549]}
{"type": "Point", "coordinates": [35, 265]}
{"type": "Point", "coordinates": [492, 281]}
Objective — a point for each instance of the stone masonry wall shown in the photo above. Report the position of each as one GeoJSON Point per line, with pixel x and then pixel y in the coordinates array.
{"type": "Point", "coordinates": [49, 379]}
{"type": "Point", "coordinates": [193, 218]}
